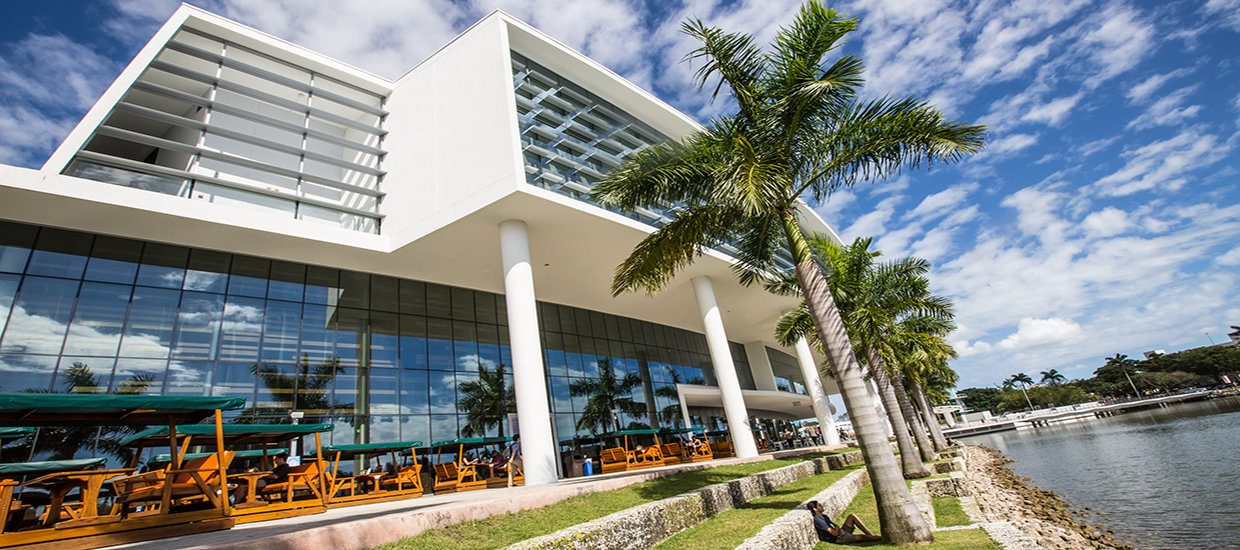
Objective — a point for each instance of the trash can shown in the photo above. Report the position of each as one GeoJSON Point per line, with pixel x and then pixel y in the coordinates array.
{"type": "Point", "coordinates": [588, 467]}
{"type": "Point", "coordinates": [573, 462]}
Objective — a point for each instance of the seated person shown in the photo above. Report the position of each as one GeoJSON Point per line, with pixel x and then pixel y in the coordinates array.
{"type": "Point", "coordinates": [279, 474]}
{"type": "Point", "coordinates": [828, 531]}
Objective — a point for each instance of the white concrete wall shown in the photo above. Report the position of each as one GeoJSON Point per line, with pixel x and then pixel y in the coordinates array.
{"type": "Point", "coordinates": [760, 366]}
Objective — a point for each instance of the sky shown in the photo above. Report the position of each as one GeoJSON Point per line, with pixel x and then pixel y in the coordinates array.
{"type": "Point", "coordinates": [1103, 216]}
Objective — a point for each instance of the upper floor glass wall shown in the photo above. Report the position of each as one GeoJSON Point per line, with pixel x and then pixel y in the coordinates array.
{"type": "Point", "coordinates": [214, 121]}
{"type": "Point", "coordinates": [787, 372]}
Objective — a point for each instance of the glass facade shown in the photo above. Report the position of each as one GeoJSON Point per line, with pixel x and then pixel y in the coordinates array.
{"type": "Point", "coordinates": [381, 358]}
{"type": "Point", "coordinates": [214, 121]}
{"type": "Point", "coordinates": [787, 372]}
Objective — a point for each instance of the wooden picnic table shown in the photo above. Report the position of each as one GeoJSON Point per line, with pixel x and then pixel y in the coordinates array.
{"type": "Point", "coordinates": [89, 482]}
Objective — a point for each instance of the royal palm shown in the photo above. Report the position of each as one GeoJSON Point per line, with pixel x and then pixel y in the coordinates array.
{"type": "Point", "coordinates": [798, 130]}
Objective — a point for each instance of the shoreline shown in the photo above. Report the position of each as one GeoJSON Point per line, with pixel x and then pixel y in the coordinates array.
{"type": "Point", "coordinates": [1018, 515]}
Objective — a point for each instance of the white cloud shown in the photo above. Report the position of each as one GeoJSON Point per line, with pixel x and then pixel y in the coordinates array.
{"type": "Point", "coordinates": [1052, 112]}
{"type": "Point", "coordinates": [1108, 222]}
{"type": "Point", "coordinates": [1145, 90]}
{"type": "Point", "coordinates": [1038, 332]}
{"type": "Point", "coordinates": [1167, 111]}
{"type": "Point", "coordinates": [1226, 12]}
{"type": "Point", "coordinates": [1164, 164]}
{"type": "Point", "coordinates": [943, 202]}
{"type": "Point", "coordinates": [1232, 257]}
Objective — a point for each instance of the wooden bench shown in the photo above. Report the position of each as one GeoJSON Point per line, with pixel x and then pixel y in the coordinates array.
{"type": "Point", "coordinates": [648, 457]}
{"type": "Point", "coordinates": [697, 453]}
{"type": "Point", "coordinates": [615, 459]}
{"type": "Point", "coordinates": [407, 480]}
{"type": "Point", "coordinates": [671, 453]}
{"type": "Point", "coordinates": [721, 449]}
{"type": "Point", "coordinates": [303, 478]}
{"type": "Point", "coordinates": [161, 490]}
{"type": "Point", "coordinates": [451, 477]}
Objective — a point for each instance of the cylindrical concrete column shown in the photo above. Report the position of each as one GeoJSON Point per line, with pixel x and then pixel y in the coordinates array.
{"type": "Point", "coordinates": [538, 445]}
{"type": "Point", "coordinates": [818, 397]}
{"type": "Point", "coordinates": [725, 370]}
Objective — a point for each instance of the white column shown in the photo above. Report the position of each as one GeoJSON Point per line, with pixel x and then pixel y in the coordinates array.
{"type": "Point", "coordinates": [538, 445]}
{"type": "Point", "coordinates": [822, 407]}
{"type": "Point", "coordinates": [725, 370]}
{"type": "Point", "coordinates": [878, 407]}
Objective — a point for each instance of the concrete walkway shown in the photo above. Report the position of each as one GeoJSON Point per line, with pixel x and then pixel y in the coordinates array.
{"type": "Point", "coordinates": [370, 525]}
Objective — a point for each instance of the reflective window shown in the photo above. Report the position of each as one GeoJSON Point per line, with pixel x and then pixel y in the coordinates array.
{"type": "Point", "coordinates": [114, 260]}
{"type": "Point", "coordinates": [40, 316]}
{"type": "Point", "coordinates": [241, 329]}
{"type": "Point", "coordinates": [98, 319]}
{"type": "Point", "coordinates": [16, 240]}
{"type": "Point", "coordinates": [60, 253]}
{"type": "Point", "coordinates": [198, 326]}
{"type": "Point", "coordinates": [281, 331]}
{"type": "Point", "coordinates": [163, 266]}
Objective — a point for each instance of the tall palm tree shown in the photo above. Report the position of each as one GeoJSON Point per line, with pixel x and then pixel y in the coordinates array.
{"type": "Point", "coordinates": [931, 374]}
{"type": "Point", "coordinates": [799, 129]}
{"type": "Point", "coordinates": [486, 401]}
{"type": "Point", "coordinates": [1024, 380]}
{"type": "Point", "coordinates": [1052, 377]}
{"type": "Point", "coordinates": [1124, 363]}
{"type": "Point", "coordinates": [606, 393]}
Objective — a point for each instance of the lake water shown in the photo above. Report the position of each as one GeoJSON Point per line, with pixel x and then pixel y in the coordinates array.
{"type": "Point", "coordinates": [1160, 478]}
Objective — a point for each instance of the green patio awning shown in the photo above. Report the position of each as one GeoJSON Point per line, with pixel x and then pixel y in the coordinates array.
{"type": "Point", "coordinates": [719, 433]}
{"type": "Point", "coordinates": [471, 441]}
{"type": "Point", "coordinates": [18, 469]}
{"type": "Point", "coordinates": [240, 454]}
{"type": "Point", "coordinates": [695, 429]}
{"type": "Point", "coordinates": [364, 448]}
{"type": "Point", "coordinates": [14, 433]}
{"type": "Point", "coordinates": [631, 432]}
{"type": "Point", "coordinates": [233, 433]}
{"type": "Point", "coordinates": [101, 409]}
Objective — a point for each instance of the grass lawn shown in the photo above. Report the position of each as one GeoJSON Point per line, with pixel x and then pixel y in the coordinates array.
{"type": "Point", "coordinates": [501, 531]}
{"type": "Point", "coordinates": [866, 509]}
{"type": "Point", "coordinates": [948, 513]}
{"type": "Point", "coordinates": [729, 529]}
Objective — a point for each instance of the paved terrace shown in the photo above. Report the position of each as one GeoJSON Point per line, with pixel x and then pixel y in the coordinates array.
{"type": "Point", "coordinates": [370, 525]}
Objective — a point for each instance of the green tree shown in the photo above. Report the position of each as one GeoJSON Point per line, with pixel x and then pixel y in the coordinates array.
{"type": "Point", "coordinates": [1052, 377]}
{"type": "Point", "coordinates": [799, 129]}
{"type": "Point", "coordinates": [486, 401]}
{"type": "Point", "coordinates": [1024, 381]}
{"type": "Point", "coordinates": [982, 399]}
{"type": "Point", "coordinates": [604, 394]}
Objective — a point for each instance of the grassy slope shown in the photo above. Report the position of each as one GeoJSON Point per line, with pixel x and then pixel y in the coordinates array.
{"type": "Point", "coordinates": [866, 509]}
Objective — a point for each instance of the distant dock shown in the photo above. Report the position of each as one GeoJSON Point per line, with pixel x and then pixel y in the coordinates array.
{"type": "Point", "coordinates": [1064, 414]}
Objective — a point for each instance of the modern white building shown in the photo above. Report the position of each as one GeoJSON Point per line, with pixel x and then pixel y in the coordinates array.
{"type": "Point", "coordinates": [240, 216]}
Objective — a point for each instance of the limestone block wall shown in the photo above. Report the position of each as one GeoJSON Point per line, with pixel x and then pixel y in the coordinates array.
{"type": "Point", "coordinates": [795, 530]}
{"type": "Point", "coordinates": [644, 526]}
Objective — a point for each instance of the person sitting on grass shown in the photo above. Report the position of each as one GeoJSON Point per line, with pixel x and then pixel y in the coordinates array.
{"type": "Point", "coordinates": [828, 531]}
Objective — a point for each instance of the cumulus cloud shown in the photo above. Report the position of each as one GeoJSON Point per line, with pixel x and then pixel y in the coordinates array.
{"type": "Point", "coordinates": [1167, 111]}
{"type": "Point", "coordinates": [1164, 164]}
{"type": "Point", "coordinates": [1037, 332]}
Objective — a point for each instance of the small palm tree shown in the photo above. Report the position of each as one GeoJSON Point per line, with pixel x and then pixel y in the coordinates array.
{"type": "Point", "coordinates": [606, 393]}
{"type": "Point", "coordinates": [486, 401]}
{"type": "Point", "coordinates": [1024, 380]}
{"type": "Point", "coordinates": [1052, 377]}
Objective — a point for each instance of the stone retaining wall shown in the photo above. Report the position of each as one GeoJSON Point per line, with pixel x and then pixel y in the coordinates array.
{"type": "Point", "coordinates": [795, 530]}
{"type": "Point", "coordinates": [644, 526]}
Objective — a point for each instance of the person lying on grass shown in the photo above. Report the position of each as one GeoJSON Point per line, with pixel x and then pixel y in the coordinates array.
{"type": "Point", "coordinates": [829, 532]}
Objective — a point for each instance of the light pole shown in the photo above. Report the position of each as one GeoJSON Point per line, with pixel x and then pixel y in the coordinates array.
{"type": "Point", "coordinates": [1211, 339]}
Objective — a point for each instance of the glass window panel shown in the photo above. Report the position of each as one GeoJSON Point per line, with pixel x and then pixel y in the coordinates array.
{"type": "Point", "coordinates": [484, 307]}
{"type": "Point", "coordinates": [414, 392]}
{"type": "Point", "coordinates": [163, 265]}
{"type": "Point", "coordinates": [277, 388]}
{"type": "Point", "coordinates": [488, 346]}
{"type": "Point", "coordinates": [612, 326]}
{"type": "Point", "coordinates": [439, 344]}
{"type": "Point", "coordinates": [249, 277]}
{"type": "Point", "coordinates": [465, 346]}
{"type": "Point", "coordinates": [416, 428]}
{"type": "Point", "coordinates": [189, 378]}
{"type": "Point", "coordinates": [568, 320]}
{"type": "Point", "coordinates": [21, 373]}
{"type": "Point", "coordinates": [345, 432]}
{"type": "Point", "coordinates": [242, 324]}
{"type": "Point", "coordinates": [234, 380]}
{"type": "Point", "coordinates": [443, 427]}
{"type": "Point", "coordinates": [583, 322]}
{"type": "Point", "coordinates": [572, 355]}
{"type": "Point", "coordinates": [556, 365]}
{"type": "Point", "coordinates": [16, 241]}
{"type": "Point", "coordinates": [442, 386]}
{"type": "Point", "coordinates": [549, 316]}
{"type": "Point", "coordinates": [208, 271]}
{"type": "Point", "coordinates": [83, 375]}
{"type": "Point", "coordinates": [501, 311]}
{"type": "Point", "coordinates": [561, 397]}
{"type": "Point", "coordinates": [413, 342]}
{"type": "Point", "coordinates": [198, 326]}
{"type": "Point", "coordinates": [579, 401]}
{"type": "Point", "coordinates": [349, 396]}
{"type": "Point", "coordinates": [384, 293]}
{"type": "Point", "coordinates": [281, 331]}
{"type": "Point", "coordinates": [288, 281]}
{"type": "Point", "coordinates": [462, 304]}
{"type": "Point", "coordinates": [60, 253]}
{"type": "Point", "coordinates": [438, 301]}
{"type": "Point", "coordinates": [412, 297]}
{"type": "Point", "coordinates": [314, 388]}
{"type": "Point", "coordinates": [114, 260]}
{"type": "Point", "coordinates": [8, 292]}
{"type": "Point", "coordinates": [354, 289]}
{"type": "Point", "coordinates": [384, 339]}
{"type": "Point", "coordinates": [98, 319]}
{"type": "Point", "coordinates": [322, 285]}
{"type": "Point", "coordinates": [40, 316]}
{"type": "Point", "coordinates": [384, 429]}
{"type": "Point", "coordinates": [318, 333]}
{"type": "Point", "coordinates": [352, 327]}
{"type": "Point", "coordinates": [139, 376]}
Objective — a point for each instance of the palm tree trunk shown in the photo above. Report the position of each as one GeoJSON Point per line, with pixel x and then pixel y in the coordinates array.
{"type": "Point", "coordinates": [940, 442]}
{"type": "Point", "coordinates": [910, 461]}
{"type": "Point", "coordinates": [900, 521]}
{"type": "Point", "coordinates": [919, 430]}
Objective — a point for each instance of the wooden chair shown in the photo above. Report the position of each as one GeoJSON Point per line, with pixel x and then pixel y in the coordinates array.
{"type": "Point", "coordinates": [451, 477]}
{"type": "Point", "coordinates": [197, 478]}
{"type": "Point", "coordinates": [697, 453]}
{"type": "Point", "coordinates": [615, 459]}
{"type": "Point", "coordinates": [671, 453]}
{"type": "Point", "coordinates": [408, 479]}
{"type": "Point", "coordinates": [304, 479]}
{"type": "Point", "coordinates": [648, 457]}
{"type": "Point", "coordinates": [721, 449]}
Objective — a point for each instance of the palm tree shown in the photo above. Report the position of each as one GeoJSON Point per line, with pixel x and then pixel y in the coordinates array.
{"type": "Point", "coordinates": [799, 129]}
{"type": "Point", "coordinates": [1052, 377]}
{"type": "Point", "coordinates": [1024, 380]}
{"type": "Point", "coordinates": [486, 401]}
{"type": "Point", "coordinates": [1124, 363]}
{"type": "Point", "coordinates": [671, 413]}
{"type": "Point", "coordinates": [871, 299]}
{"type": "Point", "coordinates": [930, 373]}
{"type": "Point", "coordinates": [606, 393]}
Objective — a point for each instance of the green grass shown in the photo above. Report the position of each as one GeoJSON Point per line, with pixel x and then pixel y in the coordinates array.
{"type": "Point", "coordinates": [865, 507]}
{"type": "Point", "coordinates": [501, 531]}
{"type": "Point", "coordinates": [729, 529]}
{"type": "Point", "coordinates": [948, 513]}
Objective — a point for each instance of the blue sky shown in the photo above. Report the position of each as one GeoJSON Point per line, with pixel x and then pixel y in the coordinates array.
{"type": "Point", "coordinates": [1103, 218]}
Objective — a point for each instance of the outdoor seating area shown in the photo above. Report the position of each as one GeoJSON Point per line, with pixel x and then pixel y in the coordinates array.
{"type": "Point", "coordinates": [460, 472]}
{"type": "Point", "coordinates": [373, 485]}
{"type": "Point", "coordinates": [635, 450]}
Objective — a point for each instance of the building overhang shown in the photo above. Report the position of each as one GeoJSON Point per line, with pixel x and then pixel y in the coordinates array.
{"type": "Point", "coordinates": [793, 406]}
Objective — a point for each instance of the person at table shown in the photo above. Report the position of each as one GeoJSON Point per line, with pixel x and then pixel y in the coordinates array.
{"type": "Point", "coordinates": [279, 474]}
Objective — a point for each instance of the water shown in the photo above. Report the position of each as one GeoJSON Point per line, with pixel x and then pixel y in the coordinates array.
{"type": "Point", "coordinates": [1161, 477]}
